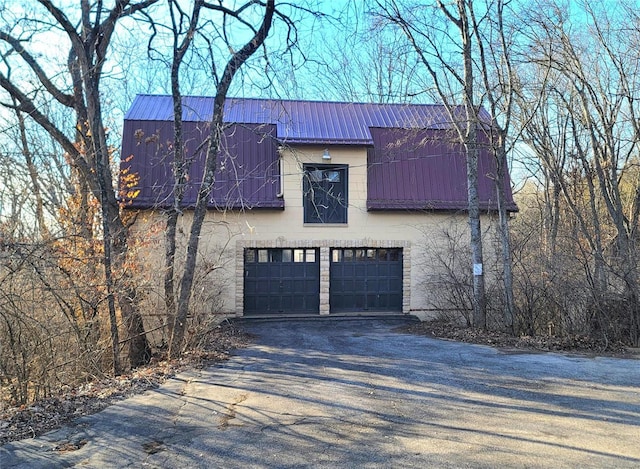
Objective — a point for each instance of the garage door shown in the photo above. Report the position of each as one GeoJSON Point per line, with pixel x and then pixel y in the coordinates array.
{"type": "Point", "coordinates": [281, 281]}
{"type": "Point", "coordinates": [365, 280]}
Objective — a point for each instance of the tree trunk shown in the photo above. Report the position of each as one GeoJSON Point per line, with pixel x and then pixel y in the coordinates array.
{"type": "Point", "coordinates": [138, 348]}
{"type": "Point", "coordinates": [465, 126]}
{"type": "Point", "coordinates": [472, 147]}
{"type": "Point", "coordinates": [503, 214]}
{"type": "Point", "coordinates": [479, 299]}
{"type": "Point", "coordinates": [169, 270]}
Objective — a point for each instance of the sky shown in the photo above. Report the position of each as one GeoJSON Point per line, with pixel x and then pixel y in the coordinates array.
{"type": "Point", "coordinates": [338, 57]}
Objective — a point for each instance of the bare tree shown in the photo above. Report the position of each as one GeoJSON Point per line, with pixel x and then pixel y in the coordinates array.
{"type": "Point", "coordinates": [466, 48]}
{"type": "Point", "coordinates": [33, 176]}
{"type": "Point", "coordinates": [86, 143]}
{"type": "Point", "coordinates": [182, 42]}
{"type": "Point", "coordinates": [425, 35]}
{"type": "Point", "coordinates": [495, 43]}
{"type": "Point", "coordinates": [585, 135]}
{"type": "Point", "coordinates": [184, 27]}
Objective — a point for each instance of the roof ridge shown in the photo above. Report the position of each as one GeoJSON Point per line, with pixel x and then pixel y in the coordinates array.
{"type": "Point", "coordinates": [289, 100]}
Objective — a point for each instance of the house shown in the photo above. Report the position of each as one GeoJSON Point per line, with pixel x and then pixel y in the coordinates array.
{"type": "Point", "coordinates": [318, 207]}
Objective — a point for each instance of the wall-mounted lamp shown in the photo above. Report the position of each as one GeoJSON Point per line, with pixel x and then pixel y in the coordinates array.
{"type": "Point", "coordinates": [326, 155]}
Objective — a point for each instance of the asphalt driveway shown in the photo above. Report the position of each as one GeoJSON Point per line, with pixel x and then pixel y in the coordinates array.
{"type": "Point", "coordinates": [354, 393]}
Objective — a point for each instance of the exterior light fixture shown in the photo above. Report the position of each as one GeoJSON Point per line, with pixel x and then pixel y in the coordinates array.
{"type": "Point", "coordinates": [326, 155]}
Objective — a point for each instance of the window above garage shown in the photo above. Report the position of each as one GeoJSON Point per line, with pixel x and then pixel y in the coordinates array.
{"type": "Point", "coordinates": [325, 193]}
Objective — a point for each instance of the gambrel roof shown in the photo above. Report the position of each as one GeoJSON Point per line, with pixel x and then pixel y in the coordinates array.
{"type": "Point", "coordinates": [414, 159]}
{"type": "Point", "coordinates": [302, 122]}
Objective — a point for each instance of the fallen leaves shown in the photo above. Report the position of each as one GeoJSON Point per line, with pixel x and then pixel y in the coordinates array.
{"type": "Point", "coordinates": [570, 343]}
{"type": "Point", "coordinates": [17, 423]}
{"type": "Point", "coordinates": [67, 446]}
{"type": "Point", "coordinates": [153, 447]}
{"type": "Point", "coordinates": [47, 414]}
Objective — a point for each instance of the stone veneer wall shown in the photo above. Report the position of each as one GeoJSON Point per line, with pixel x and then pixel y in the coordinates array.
{"type": "Point", "coordinates": [325, 245]}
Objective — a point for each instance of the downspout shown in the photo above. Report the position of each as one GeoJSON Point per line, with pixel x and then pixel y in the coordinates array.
{"type": "Point", "coordinates": [280, 193]}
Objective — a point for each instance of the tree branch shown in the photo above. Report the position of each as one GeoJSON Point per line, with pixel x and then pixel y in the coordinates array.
{"type": "Point", "coordinates": [62, 98]}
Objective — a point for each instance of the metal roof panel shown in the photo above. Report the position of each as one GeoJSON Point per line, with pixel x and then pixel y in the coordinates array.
{"type": "Point", "coordinates": [301, 121]}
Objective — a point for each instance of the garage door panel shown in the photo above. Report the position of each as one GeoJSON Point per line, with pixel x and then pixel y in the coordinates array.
{"type": "Point", "coordinates": [263, 270]}
{"type": "Point", "coordinates": [371, 269]}
{"type": "Point", "coordinates": [281, 281]}
{"type": "Point", "coordinates": [297, 302]}
{"type": "Point", "coordinates": [360, 269]}
{"type": "Point", "coordinates": [286, 303]}
{"type": "Point", "coordinates": [372, 298]}
{"type": "Point", "coordinates": [286, 271]}
{"type": "Point", "coordinates": [250, 303]}
{"type": "Point", "coordinates": [310, 287]}
{"type": "Point", "coordinates": [366, 279]}
{"type": "Point", "coordinates": [250, 288]}
{"type": "Point", "coordinates": [348, 269]}
{"type": "Point", "coordinates": [301, 286]}
{"type": "Point", "coordinates": [261, 287]}
{"type": "Point", "coordinates": [312, 270]}
{"type": "Point", "coordinates": [374, 285]}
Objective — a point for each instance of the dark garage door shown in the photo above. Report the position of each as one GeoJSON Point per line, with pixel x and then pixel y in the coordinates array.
{"type": "Point", "coordinates": [365, 280]}
{"type": "Point", "coordinates": [281, 281]}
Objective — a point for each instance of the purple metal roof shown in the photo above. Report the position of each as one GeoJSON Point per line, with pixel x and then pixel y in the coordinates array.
{"type": "Point", "coordinates": [247, 171]}
{"type": "Point", "coordinates": [425, 169]}
{"type": "Point", "coordinates": [414, 158]}
{"type": "Point", "coordinates": [301, 122]}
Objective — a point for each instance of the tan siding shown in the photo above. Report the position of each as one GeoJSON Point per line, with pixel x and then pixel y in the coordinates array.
{"type": "Point", "coordinates": [232, 231]}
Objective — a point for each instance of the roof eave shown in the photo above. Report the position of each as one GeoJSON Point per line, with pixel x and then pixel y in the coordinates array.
{"type": "Point", "coordinates": [325, 141]}
{"type": "Point", "coordinates": [431, 205]}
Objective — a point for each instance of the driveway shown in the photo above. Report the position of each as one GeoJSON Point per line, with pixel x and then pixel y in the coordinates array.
{"type": "Point", "coordinates": [355, 393]}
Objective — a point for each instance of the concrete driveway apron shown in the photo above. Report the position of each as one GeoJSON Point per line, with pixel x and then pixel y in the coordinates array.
{"type": "Point", "coordinates": [356, 393]}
